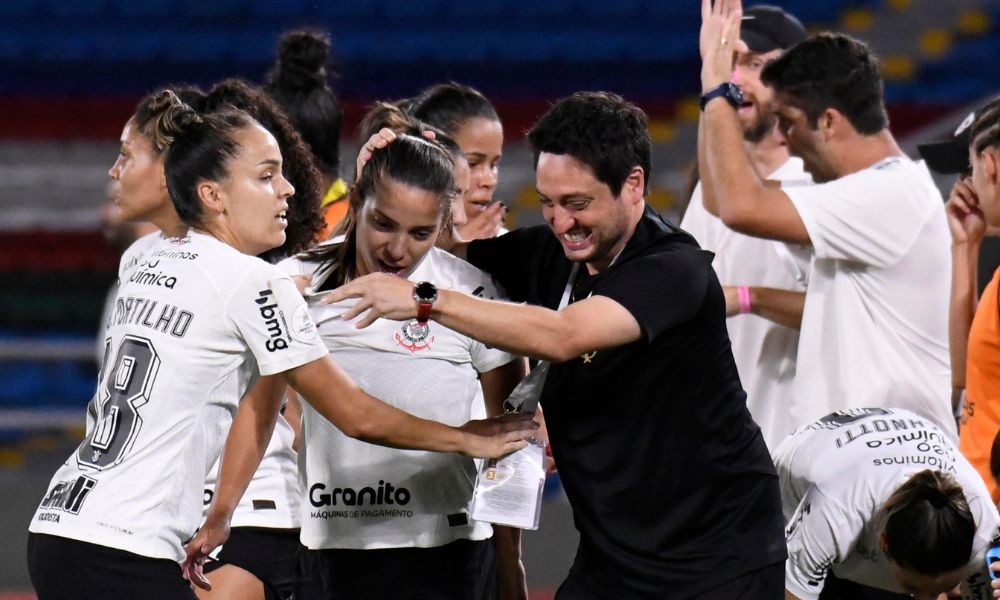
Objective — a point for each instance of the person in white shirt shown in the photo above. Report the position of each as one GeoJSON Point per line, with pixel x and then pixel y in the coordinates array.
{"type": "Point", "coordinates": [880, 504]}
{"type": "Point", "coordinates": [385, 522]}
{"type": "Point", "coordinates": [874, 325]}
{"type": "Point", "coordinates": [765, 278]}
{"type": "Point", "coordinates": [196, 322]}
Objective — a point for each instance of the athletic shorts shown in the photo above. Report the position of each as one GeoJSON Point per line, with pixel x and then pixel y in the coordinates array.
{"type": "Point", "coordinates": [461, 570]}
{"type": "Point", "coordinates": [763, 584]}
{"type": "Point", "coordinates": [272, 555]}
{"type": "Point", "coordinates": [67, 569]}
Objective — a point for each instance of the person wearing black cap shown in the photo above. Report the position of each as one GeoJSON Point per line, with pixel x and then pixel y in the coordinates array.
{"type": "Point", "coordinates": [764, 277]}
{"type": "Point", "coordinates": [974, 323]}
{"type": "Point", "coordinates": [874, 330]}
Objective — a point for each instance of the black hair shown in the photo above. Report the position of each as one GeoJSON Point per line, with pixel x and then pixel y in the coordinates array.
{"type": "Point", "coordinates": [146, 115]}
{"type": "Point", "coordinates": [198, 147]}
{"type": "Point", "coordinates": [831, 70]}
{"type": "Point", "coordinates": [305, 215]}
{"type": "Point", "coordinates": [410, 160]}
{"type": "Point", "coordinates": [926, 524]}
{"type": "Point", "coordinates": [995, 458]}
{"type": "Point", "coordinates": [600, 129]}
{"type": "Point", "coordinates": [985, 130]}
{"type": "Point", "coordinates": [298, 81]}
{"type": "Point", "coordinates": [448, 106]}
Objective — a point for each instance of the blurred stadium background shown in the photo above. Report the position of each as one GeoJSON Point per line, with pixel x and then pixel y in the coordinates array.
{"type": "Point", "coordinates": [72, 70]}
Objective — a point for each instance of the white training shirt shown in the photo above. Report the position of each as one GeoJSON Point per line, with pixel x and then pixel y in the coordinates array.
{"type": "Point", "coordinates": [362, 496]}
{"type": "Point", "coordinates": [875, 324]}
{"type": "Point", "coordinates": [764, 350]}
{"type": "Point", "coordinates": [194, 324]}
{"type": "Point", "coordinates": [835, 475]}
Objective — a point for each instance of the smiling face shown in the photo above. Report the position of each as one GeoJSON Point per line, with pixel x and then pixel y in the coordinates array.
{"type": "Point", "coordinates": [139, 186]}
{"type": "Point", "coordinates": [804, 140]}
{"type": "Point", "coordinates": [591, 223]}
{"type": "Point", "coordinates": [757, 113]}
{"type": "Point", "coordinates": [253, 197]}
{"type": "Point", "coordinates": [481, 141]}
{"type": "Point", "coordinates": [397, 226]}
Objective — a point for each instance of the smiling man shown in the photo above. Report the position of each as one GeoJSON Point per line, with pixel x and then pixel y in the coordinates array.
{"type": "Point", "coordinates": [875, 323]}
{"type": "Point", "coordinates": [764, 280]}
{"type": "Point", "coordinates": [671, 485]}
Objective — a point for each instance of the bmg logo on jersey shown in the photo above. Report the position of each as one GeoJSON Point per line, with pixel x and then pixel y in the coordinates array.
{"type": "Point", "coordinates": [274, 319]}
{"type": "Point", "coordinates": [68, 496]}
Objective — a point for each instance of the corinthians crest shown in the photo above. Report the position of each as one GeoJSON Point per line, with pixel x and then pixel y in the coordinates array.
{"type": "Point", "coordinates": [414, 336]}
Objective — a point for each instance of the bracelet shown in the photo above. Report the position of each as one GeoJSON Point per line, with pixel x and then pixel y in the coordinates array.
{"type": "Point", "coordinates": [743, 294]}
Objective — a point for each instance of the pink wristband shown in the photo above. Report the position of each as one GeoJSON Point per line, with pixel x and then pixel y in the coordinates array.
{"type": "Point", "coordinates": [743, 294]}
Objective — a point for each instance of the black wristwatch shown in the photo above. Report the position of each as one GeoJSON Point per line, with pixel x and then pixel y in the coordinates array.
{"type": "Point", "coordinates": [425, 293]}
{"type": "Point", "coordinates": [728, 90]}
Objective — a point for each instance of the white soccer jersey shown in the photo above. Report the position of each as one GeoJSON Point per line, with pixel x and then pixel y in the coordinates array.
{"type": "Point", "coordinates": [362, 496]}
{"type": "Point", "coordinates": [194, 324]}
{"type": "Point", "coordinates": [837, 472]}
{"type": "Point", "coordinates": [765, 352]}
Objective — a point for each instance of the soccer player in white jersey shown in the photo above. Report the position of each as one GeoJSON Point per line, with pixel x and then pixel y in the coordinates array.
{"type": "Point", "coordinates": [197, 321]}
{"type": "Point", "coordinates": [881, 505]}
{"type": "Point", "coordinates": [387, 521]}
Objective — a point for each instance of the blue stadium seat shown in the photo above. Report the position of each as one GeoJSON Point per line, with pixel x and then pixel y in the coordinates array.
{"type": "Point", "coordinates": [19, 8]}
{"type": "Point", "coordinates": [131, 46]}
{"type": "Point", "coordinates": [78, 8]}
{"type": "Point", "coordinates": [146, 8]}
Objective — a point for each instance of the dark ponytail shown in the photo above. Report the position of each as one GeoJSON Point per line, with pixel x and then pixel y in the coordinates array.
{"type": "Point", "coordinates": [298, 82]}
{"type": "Point", "coordinates": [926, 524]}
{"type": "Point", "coordinates": [197, 147]}
{"type": "Point", "coordinates": [448, 106]}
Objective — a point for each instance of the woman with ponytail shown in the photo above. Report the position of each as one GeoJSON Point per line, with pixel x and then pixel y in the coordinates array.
{"type": "Point", "coordinates": [880, 505]}
{"type": "Point", "coordinates": [298, 81]}
{"type": "Point", "coordinates": [198, 319]}
{"type": "Point", "coordinates": [414, 538]}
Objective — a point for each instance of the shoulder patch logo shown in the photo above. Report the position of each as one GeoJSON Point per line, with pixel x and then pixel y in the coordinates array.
{"type": "Point", "coordinates": [414, 336]}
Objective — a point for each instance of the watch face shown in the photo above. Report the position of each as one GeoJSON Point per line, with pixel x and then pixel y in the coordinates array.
{"type": "Point", "coordinates": [425, 291]}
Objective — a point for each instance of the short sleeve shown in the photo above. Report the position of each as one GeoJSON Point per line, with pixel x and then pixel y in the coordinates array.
{"type": "Point", "coordinates": [661, 290]}
{"type": "Point", "coordinates": [819, 535]}
{"type": "Point", "coordinates": [697, 220]}
{"type": "Point", "coordinates": [486, 358]}
{"type": "Point", "coordinates": [872, 217]}
{"type": "Point", "coordinates": [274, 321]}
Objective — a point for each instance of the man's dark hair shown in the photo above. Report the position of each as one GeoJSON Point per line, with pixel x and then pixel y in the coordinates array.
{"type": "Point", "coordinates": [600, 129]}
{"type": "Point", "coordinates": [831, 70]}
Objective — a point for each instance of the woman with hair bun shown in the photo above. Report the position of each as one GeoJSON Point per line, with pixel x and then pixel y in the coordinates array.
{"type": "Point", "coordinates": [198, 319]}
{"type": "Point", "coordinates": [880, 505]}
{"type": "Point", "coordinates": [298, 81]}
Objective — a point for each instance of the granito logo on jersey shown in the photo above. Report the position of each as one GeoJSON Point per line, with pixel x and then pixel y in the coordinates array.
{"type": "Point", "coordinates": [414, 336]}
{"type": "Point", "coordinates": [68, 496]}
{"type": "Point", "coordinates": [274, 319]}
{"type": "Point", "coordinates": [383, 493]}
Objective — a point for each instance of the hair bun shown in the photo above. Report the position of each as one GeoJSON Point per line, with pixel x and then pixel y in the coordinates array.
{"type": "Point", "coordinates": [937, 497]}
{"type": "Point", "coordinates": [171, 118]}
{"type": "Point", "coordinates": [302, 59]}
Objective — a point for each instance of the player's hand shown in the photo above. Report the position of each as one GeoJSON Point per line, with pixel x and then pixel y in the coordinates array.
{"type": "Point", "coordinates": [499, 436]}
{"type": "Point", "coordinates": [484, 224]}
{"type": "Point", "coordinates": [211, 535]}
{"type": "Point", "coordinates": [965, 218]}
{"type": "Point", "coordinates": [380, 294]}
{"type": "Point", "coordinates": [719, 40]}
{"type": "Point", "coordinates": [302, 282]}
{"type": "Point", "coordinates": [376, 142]}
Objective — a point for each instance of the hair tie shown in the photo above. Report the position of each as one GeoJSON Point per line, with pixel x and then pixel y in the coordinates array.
{"type": "Point", "coordinates": [937, 498]}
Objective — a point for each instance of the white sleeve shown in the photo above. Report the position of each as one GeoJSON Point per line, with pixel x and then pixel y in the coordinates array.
{"type": "Point", "coordinates": [696, 220]}
{"type": "Point", "coordinates": [819, 535]}
{"type": "Point", "coordinates": [486, 358]}
{"type": "Point", "coordinates": [274, 321]}
{"type": "Point", "coordinates": [872, 217]}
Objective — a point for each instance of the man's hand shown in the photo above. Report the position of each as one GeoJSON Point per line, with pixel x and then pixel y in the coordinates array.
{"type": "Point", "coordinates": [212, 534]}
{"type": "Point", "coordinates": [965, 217]}
{"type": "Point", "coordinates": [380, 294]}
{"type": "Point", "coordinates": [719, 40]}
{"type": "Point", "coordinates": [493, 438]}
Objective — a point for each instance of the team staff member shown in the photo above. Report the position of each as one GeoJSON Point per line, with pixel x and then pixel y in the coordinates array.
{"type": "Point", "coordinates": [642, 372]}
{"type": "Point", "coordinates": [882, 506]}
{"type": "Point", "coordinates": [197, 324]}
{"type": "Point", "coordinates": [874, 326]}
{"type": "Point", "coordinates": [766, 278]}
